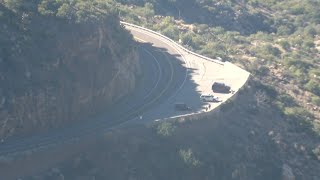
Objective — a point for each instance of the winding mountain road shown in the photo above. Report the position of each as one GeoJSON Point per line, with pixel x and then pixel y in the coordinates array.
{"type": "Point", "coordinates": [201, 73]}
{"type": "Point", "coordinates": [162, 76]}
{"type": "Point", "coordinates": [170, 74]}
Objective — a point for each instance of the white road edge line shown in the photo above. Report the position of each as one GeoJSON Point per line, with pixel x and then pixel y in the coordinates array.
{"type": "Point", "coordinates": [160, 72]}
{"type": "Point", "coordinates": [178, 50]}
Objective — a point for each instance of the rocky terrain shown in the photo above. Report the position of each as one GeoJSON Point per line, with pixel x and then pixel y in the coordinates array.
{"type": "Point", "coordinates": [239, 142]}
{"type": "Point", "coordinates": [55, 70]}
{"type": "Point", "coordinates": [270, 131]}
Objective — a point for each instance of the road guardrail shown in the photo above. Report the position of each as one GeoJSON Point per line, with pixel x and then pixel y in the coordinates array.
{"type": "Point", "coordinates": [173, 42]}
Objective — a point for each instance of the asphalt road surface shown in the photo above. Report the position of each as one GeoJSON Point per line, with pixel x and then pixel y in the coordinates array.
{"type": "Point", "coordinates": [163, 75]}
{"type": "Point", "coordinates": [201, 73]}
{"type": "Point", "coordinates": [170, 75]}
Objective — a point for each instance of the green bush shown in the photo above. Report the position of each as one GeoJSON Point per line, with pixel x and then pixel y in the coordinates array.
{"type": "Point", "coordinates": [316, 152]}
{"type": "Point", "coordinates": [315, 100]}
{"type": "Point", "coordinates": [298, 113]}
{"type": "Point", "coordinates": [316, 127]}
{"type": "Point", "coordinates": [188, 157]}
{"type": "Point", "coordinates": [165, 128]}
{"type": "Point", "coordinates": [263, 70]}
{"type": "Point", "coordinates": [171, 31]}
{"type": "Point", "coordinates": [287, 100]}
{"type": "Point", "coordinates": [284, 30]}
{"type": "Point", "coordinates": [310, 31]}
{"type": "Point", "coordinates": [14, 4]}
{"type": "Point", "coordinates": [272, 50]}
{"type": "Point", "coordinates": [285, 45]}
{"type": "Point", "coordinates": [297, 9]}
{"type": "Point", "coordinates": [313, 87]}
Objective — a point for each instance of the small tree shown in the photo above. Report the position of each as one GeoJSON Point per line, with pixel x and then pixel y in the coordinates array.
{"type": "Point", "coordinates": [165, 129]}
{"type": "Point", "coordinates": [313, 86]}
{"type": "Point", "coordinates": [285, 45]}
{"type": "Point", "coordinates": [315, 100]}
{"type": "Point", "coordinates": [316, 152]}
{"type": "Point", "coordinates": [148, 10]}
{"type": "Point", "coordinates": [284, 30]}
{"type": "Point", "coordinates": [14, 4]}
{"type": "Point", "coordinates": [189, 158]}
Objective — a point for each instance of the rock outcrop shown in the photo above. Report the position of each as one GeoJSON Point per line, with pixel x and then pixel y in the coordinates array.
{"type": "Point", "coordinates": [54, 71]}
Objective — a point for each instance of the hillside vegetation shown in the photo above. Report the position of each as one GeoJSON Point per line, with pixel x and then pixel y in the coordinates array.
{"type": "Point", "coordinates": [57, 60]}
{"type": "Point", "coordinates": [277, 41]}
{"type": "Point", "coordinates": [240, 142]}
{"type": "Point", "coordinates": [270, 131]}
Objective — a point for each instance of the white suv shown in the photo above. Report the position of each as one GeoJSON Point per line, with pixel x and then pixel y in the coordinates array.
{"type": "Point", "coordinates": [208, 98]}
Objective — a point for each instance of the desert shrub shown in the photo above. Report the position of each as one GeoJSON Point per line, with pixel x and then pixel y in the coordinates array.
{"type": "Point", "coordinates": [315, 100]}
{"type": "Point", "coordinates": [268, 89]}
{"type": "Point", "coordinates": [165, 128]}
{"type": "Point", "coordinates": [316, 152]}
{"type": "Point", "coordinates": [285, 45]}
{"type": "Point", "coordinates": [287, 100]}
{"type": "Point", "coordinates": [297, 113]}
{"type": "Point", "coordinates": [189, 158]}
{"type": "Point", "coordinates": [313, 87]}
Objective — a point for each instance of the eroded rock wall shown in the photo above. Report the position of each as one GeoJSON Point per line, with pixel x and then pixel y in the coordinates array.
{"type": "Point", "coordinates": [54, 72]}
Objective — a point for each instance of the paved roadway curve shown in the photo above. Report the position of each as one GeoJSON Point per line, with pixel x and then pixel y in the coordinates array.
{"type": "Point", "coordinates": [169, 75]}
{"type": "Point", "coordinates": [202, 72]}
{"type": "Point", "coordinates": [162, 76]}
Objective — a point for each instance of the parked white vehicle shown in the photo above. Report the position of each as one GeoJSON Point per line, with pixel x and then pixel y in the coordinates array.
{"type": "Point", "coordinates": [208, 98]}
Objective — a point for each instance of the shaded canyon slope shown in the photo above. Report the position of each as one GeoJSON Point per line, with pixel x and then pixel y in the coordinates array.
{"type": "Point", "coordinates": [56, 70]}
{"type": "Point", "coordinates": [245, 140]}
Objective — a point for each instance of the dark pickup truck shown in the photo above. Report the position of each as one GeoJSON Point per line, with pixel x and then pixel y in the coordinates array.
{"type": "Point", "coordinates": [220, 88]}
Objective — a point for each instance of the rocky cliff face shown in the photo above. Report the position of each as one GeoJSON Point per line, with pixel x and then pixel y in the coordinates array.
{"type": "Point", "coordinates": [54, 71]}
